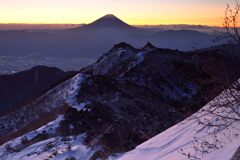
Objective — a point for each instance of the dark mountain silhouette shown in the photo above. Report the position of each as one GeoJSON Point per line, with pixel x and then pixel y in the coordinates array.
{"type": "Point", "coordinates": [127, 96]}
{"type": "Point", "coordinates": [182, 38]}
{"type": "Point", "coordinates": [108, 21]}
{"type": "Point", "coordinates": [23, 87]}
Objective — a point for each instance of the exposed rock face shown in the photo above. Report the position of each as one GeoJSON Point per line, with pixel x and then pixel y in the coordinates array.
{"type": "Point", "coordinates": [129, 95]}
{"type": "Point", "coordinates": [236, 155]}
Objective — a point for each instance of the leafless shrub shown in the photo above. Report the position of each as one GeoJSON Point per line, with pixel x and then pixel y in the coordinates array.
{"type": "Point", "coordinates": [230, 25]}
{"type": "Point", "coordinates": [231, 22]}
{"type": "Point", "coordinates": [221, 118]}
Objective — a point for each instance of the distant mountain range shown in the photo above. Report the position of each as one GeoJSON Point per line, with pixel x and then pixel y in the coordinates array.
{"type": "Point", "coordinates": [36, 27]}
{"type": "Point", "coordinates": [92, 40]}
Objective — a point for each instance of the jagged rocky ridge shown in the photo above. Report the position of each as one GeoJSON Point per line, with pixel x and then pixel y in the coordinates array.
{"type": "Point", "coordinates": [126, 97]}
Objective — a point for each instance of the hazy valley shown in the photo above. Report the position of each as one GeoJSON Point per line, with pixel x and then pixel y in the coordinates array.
{"type": "Point", "coordinates": [79, 46]}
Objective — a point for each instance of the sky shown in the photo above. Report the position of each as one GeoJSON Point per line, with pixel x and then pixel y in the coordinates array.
{"type": "Point", "coordinates": [135, 12]}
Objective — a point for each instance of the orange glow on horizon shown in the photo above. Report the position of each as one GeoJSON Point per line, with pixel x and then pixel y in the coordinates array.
{"type": "Point", "coordinates": [134, 12]}
{"type": "Point", "coordinates": [188, 21]}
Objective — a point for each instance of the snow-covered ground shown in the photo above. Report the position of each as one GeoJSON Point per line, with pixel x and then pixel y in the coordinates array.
{"type": "Point", "coordinates": [57, 148]}
{"type": "Point", "coordinates": [191, 139]}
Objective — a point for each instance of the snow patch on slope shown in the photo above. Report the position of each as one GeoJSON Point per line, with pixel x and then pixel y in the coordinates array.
{"type": "Point", "coordinates": [72, 100]}
{"type": "Point", "coordinates": [138, 59]}
{"type": "Point", "coordinates": [52, 100]}
{"type": "Point", "coordinates": [39, 144]}
{"type": "Point", "coordinates": [57, 148]}
{"type": "Point", "coordinates": [112, 60]}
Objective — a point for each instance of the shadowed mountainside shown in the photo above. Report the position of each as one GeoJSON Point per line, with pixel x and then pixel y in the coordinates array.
{"type": "Point", "coordinates": [23, 87]}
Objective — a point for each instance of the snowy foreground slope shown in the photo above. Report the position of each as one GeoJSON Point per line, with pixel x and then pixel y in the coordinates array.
{"type": "Point", "coordinates": [193, 139]}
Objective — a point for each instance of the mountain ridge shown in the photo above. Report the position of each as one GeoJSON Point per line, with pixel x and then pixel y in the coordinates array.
{"type": "Point", "coordinates": [126, 97]}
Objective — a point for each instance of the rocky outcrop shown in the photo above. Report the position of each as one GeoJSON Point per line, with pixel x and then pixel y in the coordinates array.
{"type": "Point", "coordinates": [236, 156]}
